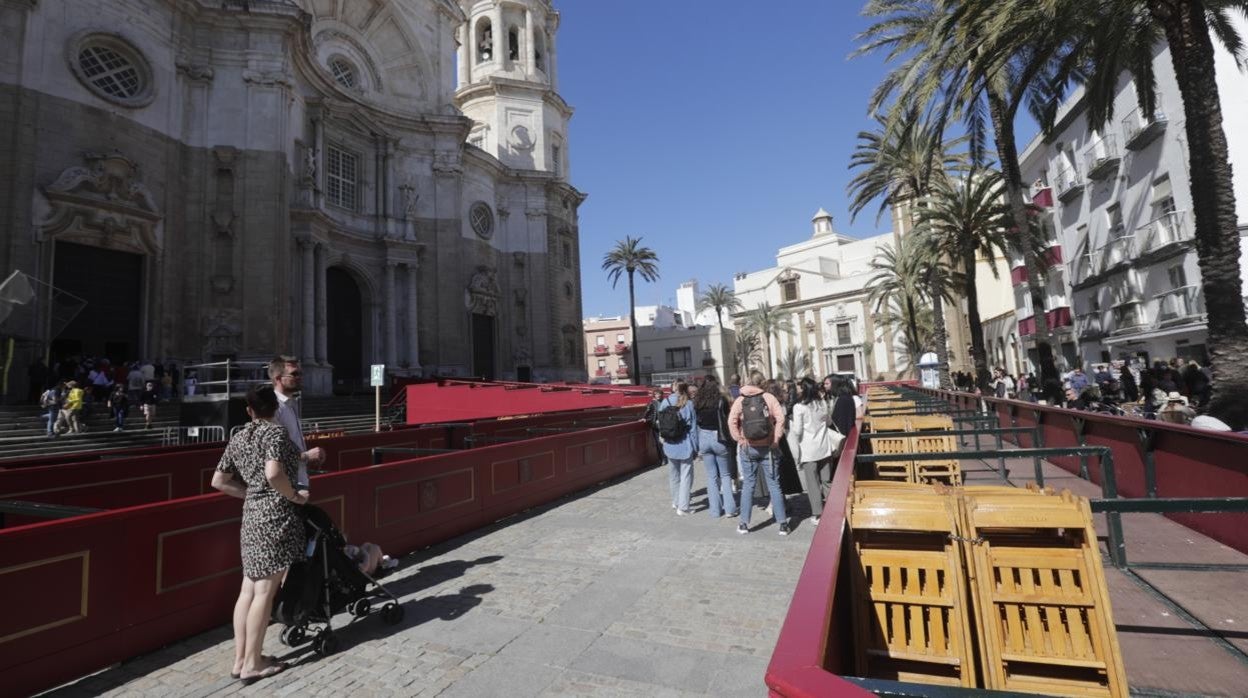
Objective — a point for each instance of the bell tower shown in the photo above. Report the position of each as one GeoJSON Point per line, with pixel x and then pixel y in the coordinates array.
{"type": "Point", "coordinates": [507, 82]}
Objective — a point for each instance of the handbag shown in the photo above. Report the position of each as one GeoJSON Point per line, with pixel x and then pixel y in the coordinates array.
{"type": "Point", "coordinates": [724, 436]}
{"type": "Point", "coordinates": [835, 436]}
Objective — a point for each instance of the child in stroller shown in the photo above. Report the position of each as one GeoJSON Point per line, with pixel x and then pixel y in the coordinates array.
{"type": "Point", "coordinates": [325, 583]}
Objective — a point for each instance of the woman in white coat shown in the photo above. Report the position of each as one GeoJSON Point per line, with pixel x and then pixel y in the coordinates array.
{"type": "Point", "coordinates": [815, 448]}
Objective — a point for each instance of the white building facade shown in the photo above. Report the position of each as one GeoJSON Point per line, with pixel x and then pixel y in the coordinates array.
{"type": "Point", "coordinates": [820, 284]}
{"type": "Point", "coordinates": [1124, 282]}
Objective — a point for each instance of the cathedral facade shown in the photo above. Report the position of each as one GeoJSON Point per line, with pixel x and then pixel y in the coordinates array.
{"type": "Point", "coordinates": [351, 181]}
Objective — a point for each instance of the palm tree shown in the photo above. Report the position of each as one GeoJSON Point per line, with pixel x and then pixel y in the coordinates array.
{"type": "Point", "coordinates": [898, 283]}
{"type": "Point", "coordinates": [721, 298]}
{"type": "Point", "coordinates": [629, 256]}
{"type": "Point", "coordinates": [795, 363]}
{"type": "Point", "coordinates": [890, 315]}
{"type": "Point", "coordinates": [746, 351]}
{"type": "Point", "coordinates": [964, 220]}
{"type": "Point", "coordinates": [766, 321]}
{"type": "Point", "coordinates": [1122, 35]}
{"type": "Point", "coordinates": [896, 164]}
{"type": "Point", "coordinates": [943, 67]}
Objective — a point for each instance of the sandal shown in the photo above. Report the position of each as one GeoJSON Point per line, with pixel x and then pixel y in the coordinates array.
{"type": "Point", "coordinates": [272, 670]}
{"type": "Point", "coordinates": [265, 657]}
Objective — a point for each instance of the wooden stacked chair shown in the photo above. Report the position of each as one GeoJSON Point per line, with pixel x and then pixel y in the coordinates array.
{"type": "Point", "coordinates": [988, 586]}
{"type": "Point", "coordinates": [910, 604]}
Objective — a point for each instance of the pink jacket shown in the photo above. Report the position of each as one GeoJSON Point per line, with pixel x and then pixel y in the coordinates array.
{"type": "Point", "coordinates": [773, 405]}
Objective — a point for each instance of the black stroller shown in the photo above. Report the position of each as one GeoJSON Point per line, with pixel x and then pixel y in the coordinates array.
{"type": "Point", "coordinates": [327, 582]}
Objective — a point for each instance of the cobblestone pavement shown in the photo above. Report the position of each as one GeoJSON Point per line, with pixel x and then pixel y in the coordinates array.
{"type": "Point", "coordinates": [606, 593]}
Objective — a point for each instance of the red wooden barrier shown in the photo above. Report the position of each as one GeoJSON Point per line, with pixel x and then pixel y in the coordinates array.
{"type": "Point", "coordinates": [429, 402]}
{"type": "Point", "coordinates": [810, 651]}
{"type": "Point", "coordinates": [1189, 462]}
{"type": "Point", "coordinates": [90, 591]}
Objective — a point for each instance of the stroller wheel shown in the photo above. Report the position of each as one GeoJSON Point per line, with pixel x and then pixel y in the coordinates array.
{"type": "Point", "coordinates": [392, 613]}
{"type": "Point", "coordinates": [293, 635]}
{"type": "Point", "coordinates": [325, 643]}
{"type": "Point", "coordinates": [361, 607]}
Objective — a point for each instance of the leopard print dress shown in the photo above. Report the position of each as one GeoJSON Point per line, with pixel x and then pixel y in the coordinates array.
{"type": "Point", "coordinates": [272, 532]}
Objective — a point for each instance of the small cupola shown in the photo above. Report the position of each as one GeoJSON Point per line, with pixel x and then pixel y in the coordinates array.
{"type": "Point", "coordinates": [822, 223]}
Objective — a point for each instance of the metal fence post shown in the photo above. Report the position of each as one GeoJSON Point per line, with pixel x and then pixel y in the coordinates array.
{"type": "Point", "coordinates": [1147, 440]}
{"type": "Point", "coordinates": [1079, 424]}
{"type": "Point", "coordinates": [1113, 519]}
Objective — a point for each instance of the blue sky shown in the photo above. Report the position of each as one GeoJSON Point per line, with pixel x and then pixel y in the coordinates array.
{"type": "Point", "coordinates": [713, 129]}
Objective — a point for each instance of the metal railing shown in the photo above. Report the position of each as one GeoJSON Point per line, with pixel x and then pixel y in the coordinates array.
{"type": "Point", "coordinates": [1129, 315]}
{"type": "Point", "coordinates": [1083, 268]}
{"type": "Point", "coordinates": [182, 436]}
{"type": "Point", "coordinates": [1165, 230]}
{"type": "Point", "coordinates": [1100, 156]}
{"type": "Point", "coordinates": [1067, 180]}
{"type": "Point", "coordinates": [1139, 128]}
{"type": "Point", "coordinates": [1120, 249]}
{"type": "Point", "coordinates": [1179, 304]}
{"type": "Point", "coordinates": [232, 377]}
{"type": "Point", "coordinates": [1089, 325]}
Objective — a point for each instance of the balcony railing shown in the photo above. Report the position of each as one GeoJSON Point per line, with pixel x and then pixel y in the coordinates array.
{"type": "Point", "coordinates": [621, 348]}
{"type": "Point", "coordinates": [1119, 250]}
{"type": "Point", "coordinates": [622, 371]}
{"type": "Point", "coordinates": [1139, 129]}
{"type": "Point", "coordinates": [1069, 182]}
{"type": "Point", "coordinates": [1180, 305]}
{"type": "Point", "coordinates": [1167, 230]}
{"type": "Point", "coordinates": [601, 350]}
{"type": "Point", "coordinates": [1089, 325]}
{"type": "Point", "coordinates": [1101, 158]}
{"type": "Point", "coordinates": [1082, 268]}
{"type": "Point", "coordinates": [1129, 316]}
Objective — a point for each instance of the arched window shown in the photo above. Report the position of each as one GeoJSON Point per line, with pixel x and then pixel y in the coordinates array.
{"type": "Point", "coordinates": [113, 69]}
{"type": "Point", "coordinates": [485, 40]}
{"type": "Point", "coordinates": [344, 72]}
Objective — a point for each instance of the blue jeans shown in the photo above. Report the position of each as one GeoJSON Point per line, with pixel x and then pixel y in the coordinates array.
{"type": "Point", "coordinates": [119, 417]}
{"type": "Point", "coordinates": [752, 459]}
{"type": "Point", "coordinates": [718, 474]}
{"type": "Point", "coordinates": [51, 417]}
{"type": "Point", "coordinates": [680, 481]}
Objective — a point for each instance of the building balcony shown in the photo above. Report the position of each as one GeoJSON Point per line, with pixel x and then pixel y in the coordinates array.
{"type": "Point", "coordinates": [1042, 197]}
{"type": "Point", "coordinates": [601, 350]}
{"type": "Point", "coordinates": [1164, 233]}
{"type": "Point", "coordinates": [708, 361]}
{"type": "Point", "coordinates": [1120, 249]}
{"type": "Point", "coordinates": [622, 372]}
{"type": "Point", "coordinates": [1055, 318]}
{"type": "Point", "coordinates": [1139, 129]}
{"type": "Point", "coordinates": [1053, 256]}
{"type": "Point", "coordinates": [600, 373]}
{"type": "Point", "coordinates": [1089, 326]}
{"type": "Point", "coordinates": [1129, 316]}
{"type": "Point", "coordinates": [1069, 183]}
{"type": "Point", "coordinates": [1180, 306]}
{"type": "Point", "coordinates": [1082, 269]}
{"type": "Point", "coordinates": [621, 348]}
{"type": "Point", "coordinates": [1101, 158]}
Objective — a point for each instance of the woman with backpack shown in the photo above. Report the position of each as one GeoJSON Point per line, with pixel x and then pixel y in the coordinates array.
{"type": "Point", "coordinates": [710, 406]}
{"type": "Point", "coordinates": [816, 444]}
{"type": "Point", "coordinates": [756, 422]}
{"type": "Point", "coordinates": [678, 430]}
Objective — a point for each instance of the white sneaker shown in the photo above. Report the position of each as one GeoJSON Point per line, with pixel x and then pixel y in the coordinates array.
{"type": "Point", "coordinates": [814, 521]}
{"type": "Point", "coordinates": [769, 510]}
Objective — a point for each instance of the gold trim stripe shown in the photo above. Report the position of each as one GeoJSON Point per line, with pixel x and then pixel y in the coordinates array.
{"type": "Point", "coordinates": [86, 585]}
{"type": "Point", "coordinates": [83, 485]}
{"type": "Point", "coordinates": [472, 495]}
{"type": "Point", "coordinates": [160, 556]}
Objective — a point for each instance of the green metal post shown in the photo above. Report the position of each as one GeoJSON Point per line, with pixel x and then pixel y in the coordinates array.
{"type": "Point", "coordinates": [1148, 454]}
{"type": "Point", "coordinates": [1113, 519]}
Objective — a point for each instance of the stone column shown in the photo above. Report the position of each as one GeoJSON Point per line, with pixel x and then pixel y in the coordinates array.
{"type": "Point", "coordinates": [413, 334]}
{"type": "Point", "coordinates": [308, 350]}
{"type": "Point", "coordinates": [390, 330]}
{"type": "Point", "coordinates": [464, 53]}
{"type": "Point", "coordinates": [552, 61]}
{"type": "Point", "coordinates": [500, 36]}
{"type": "Point", "coordinates": [530, 50]}
{"type": "Point", "coordinates": [819, 368]}
{"type": "Point", "coordinates": [322, 337]}
{"type": "Point", "coordinates": [318, 140]}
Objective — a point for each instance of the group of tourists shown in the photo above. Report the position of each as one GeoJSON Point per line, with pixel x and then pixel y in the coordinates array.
{"type": "Point", "coordinates": [752, 440]}
{"type": "Point", "coordinates": [70, 390]}
{"type": "Point", "coordinates": [1175, 391]}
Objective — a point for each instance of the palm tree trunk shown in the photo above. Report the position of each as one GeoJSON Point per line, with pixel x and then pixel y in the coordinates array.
{"type": "Point", "coordinates": [942, 341]}
{"type": "Point", "coordinates": [632, 324]}
{"type": "Point", "coordinates": [978, 354]}
{"type": "Point", "coordinates": [912, 320]}
{"type": "Point", "coordinates": [1213, 196]}
{"type": "Point", "coordinates": [1007, 152]}
{"type": "Point", "coordinates": [771, 367]}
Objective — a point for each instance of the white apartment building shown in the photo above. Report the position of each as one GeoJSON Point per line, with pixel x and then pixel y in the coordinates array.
{"type": "Point", "coordinates": [821, 284]}
{"type": "Point", "coordinates": [1125, 281]}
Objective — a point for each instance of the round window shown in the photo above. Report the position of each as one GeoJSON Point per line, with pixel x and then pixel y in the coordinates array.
{"type": "Point", "coordinates": [343, 72]}
{"type": "Point", "coordinates": [482, 219]}
{"type": "Point", "coordinates": [113, 69]}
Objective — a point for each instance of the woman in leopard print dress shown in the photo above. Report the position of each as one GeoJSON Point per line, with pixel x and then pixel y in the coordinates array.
{"type": "Point", "coordinates": [259, 466]}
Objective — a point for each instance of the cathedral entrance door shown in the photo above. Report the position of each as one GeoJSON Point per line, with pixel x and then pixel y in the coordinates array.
{"type": "Point", "coordinates": [112, 282]}
{"type": "Point", "coordinates": [344, 329]}
{"type": "Point", "coordinates": [483, 346]}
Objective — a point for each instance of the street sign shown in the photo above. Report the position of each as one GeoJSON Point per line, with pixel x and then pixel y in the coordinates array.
{"type": "Point", "coordinates": [379, 376]}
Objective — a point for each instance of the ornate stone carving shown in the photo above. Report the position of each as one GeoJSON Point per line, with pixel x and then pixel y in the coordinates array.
{"type": "Point", "coordinates": [521, 297]}
{"type": "Point", "coordinates": [102, 204]}
{"type": "Point", "coordinates": [193, 71]}
{"type": "Point", "coordinates": [447, 163]}
{"type": "Point", "coordinates": [268, 78]}
{"type": "Point", "coordinates": [482, 294]}
{"type": "Point", "coordinates": [112, 177]}
{"type": "Point", "coordinates": [409, 198]}
{"type": "Point", "coordinates": [223, 223]}
{"type": "Point", "coordinates": [518, 259]}
{"type": "Point", "coordinates": [223, 331]}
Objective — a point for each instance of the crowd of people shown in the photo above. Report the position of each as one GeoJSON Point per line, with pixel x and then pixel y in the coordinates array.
{"type": "Point", "coordinates": [759, 442]}
{"type": "Point", "coordinates": [69, 390]}
{"type": "Point", "coordinates": [1175, 391]}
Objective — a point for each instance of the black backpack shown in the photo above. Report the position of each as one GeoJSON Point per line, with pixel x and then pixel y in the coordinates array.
{"type": "Point", "coordinates": [756, 421]}
{"type": "Point", "coordinates": [672, 425]}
